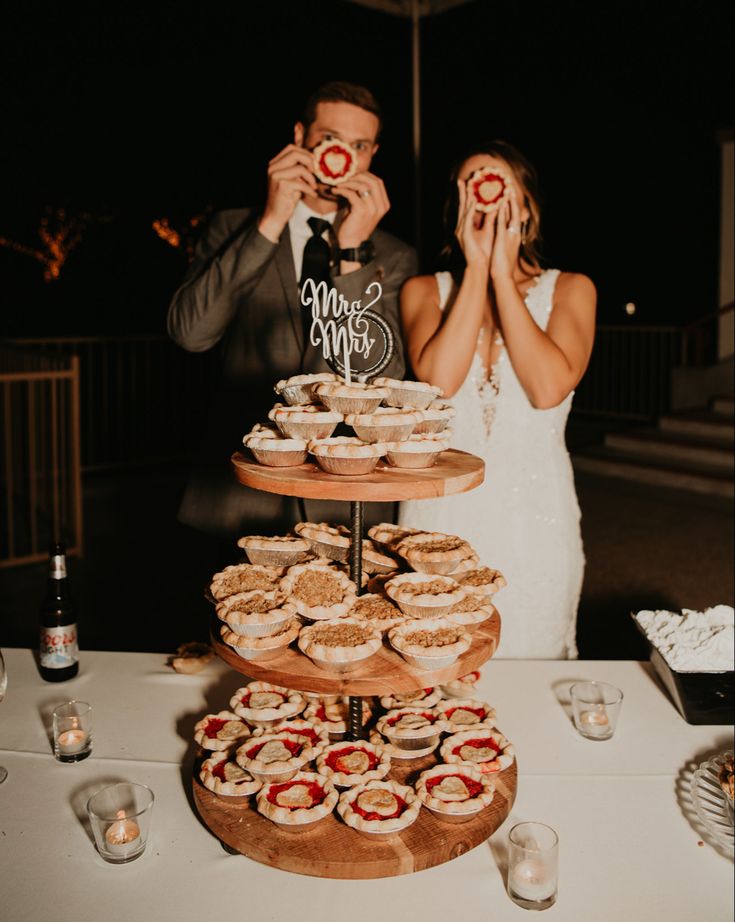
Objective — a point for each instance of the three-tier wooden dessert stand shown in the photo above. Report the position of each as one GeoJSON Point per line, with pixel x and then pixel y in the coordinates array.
{"type": "Point", "coordinates": [332, 849]}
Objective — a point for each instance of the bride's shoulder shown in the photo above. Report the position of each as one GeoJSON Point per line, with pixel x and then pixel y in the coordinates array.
{"type": "Point", "coordinates": [574, 282]}
{"type": "Point", "coordinates": [419, 289]}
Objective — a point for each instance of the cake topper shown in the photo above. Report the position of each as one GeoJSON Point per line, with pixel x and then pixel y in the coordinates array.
{"type": "Point", "coordinates": [345, 329]}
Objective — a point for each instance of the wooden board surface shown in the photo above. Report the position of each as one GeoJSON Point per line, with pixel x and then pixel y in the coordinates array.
{"type": "Point", "coordinates": [454, 472]}
{"type": "Point", "coordinates": [383, 674]}
{"type": "Point", "coordinates": [332, 849]}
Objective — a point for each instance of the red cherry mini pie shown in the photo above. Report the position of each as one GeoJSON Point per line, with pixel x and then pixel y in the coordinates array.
{"type": "Point", "coordinates": [220, 731]}
{"type": "Point", "coordinates": [350, 763]}
{"type": "Point", "coordinates": [489, 186]}
{"type": "Point", "coordinates": [379, 807]}
{"type": "Point", "coordinates": [299, 802]}
{"type": "Point", "coordinates": [334, 162]}
{"type": "Point", "coordinates": [274, 756]}
{"type": "Point", "coordinates": [453, 792]}
{"type": "Point", "coordinates": [486, 749]}
{"type": "Point", "coordinates": [226, 779]}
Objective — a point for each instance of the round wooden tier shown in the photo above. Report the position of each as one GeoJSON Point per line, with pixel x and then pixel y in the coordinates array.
{"type": "Point", "coordinates": [332, 849]}
{"type": "Point", "coordinates": [383, 674]}
{"type": "Point", "coordinates": [454, 472]}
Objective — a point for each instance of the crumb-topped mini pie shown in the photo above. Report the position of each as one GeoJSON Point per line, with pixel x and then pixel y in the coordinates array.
{"type": "Point", "coordinates": [276, 451]}
{"type": "Point", "coordinates": [434, 552]}
{"type": "Point", "coordinates": [340, 645]}
{"type": "Point", "coordinates": [430, 644]}
{"type": "Point", "coordinates": [331, 541]}
{"type": "Point", "coordinates": [319, 592]}
{"type": "Point", "coordinates": [435, 418]}
{"type": "Point", "coordinates": [306, 422]}
{"type": "Point", "coordinates": [390, 535]}
{"type": "Point", "coordinates": [244, 577]}
{"type": "Point", "coordinates": [471, 611]}
{"type": "Point", "coordinates": [487, 749]}
{"type": "Point", "coordinates": [262, 704]}
{"type": "Point", "coordinates": [422, 697]}
{"type": "Point", "coordinates": [379, 808]}
{"type": "Point", "coordinates": [261, 648]}
{"type": "Point", "coordinates": [386, 424]}
{"type": "Point", "coordinates": [335, 716]}
{"type": "Point", "coordinates": [415, 394]}
{"type": "Point", "coordinates": [334, 161]}
{"type": "Point", "coordinates": [356, 397]}
{"type": "Point", "coordinates": [465, 713]}
{"type": "Point", "coordinates": [227, 779]}
{"type": "Point", "coordinates": [256, 613]}
{"type": "Point", "coordinates": [415, 453]}
{"type": "Point", "coordinates": [484, 580]}
{"type": "Point", "coordinates": [489, 186]}
{"type": "Point", "coordinates": [424, 595]}
{"type": "Point", "coordinates": [411, 727]}
{"type": "Point", "coordinates": [349, 763]}
{"type": "Point", "coordinates": [375, 610]}
{"type": "Point", "coordinates": [299, 389]}
{"type": "Point", "coordinates": [217, 732]}
{"type": "Point", "coordinates": [346, 455]}
{"type": "Point", "coordinates": [275, 756]}
{"type": "Point", "coordinates": [462, 686]}
{"type": "Point", "coordinates": [375, 560]}
{"type": "Point", "coordinates": [274, 551]}
{"type": "Point", "coordinates": [454, 793]}
{"type": "Point", "coordinates": [298, 803]}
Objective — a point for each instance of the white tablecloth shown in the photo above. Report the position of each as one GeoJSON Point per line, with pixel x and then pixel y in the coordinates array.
{"type": "Point", "coordinates": [629, 844]}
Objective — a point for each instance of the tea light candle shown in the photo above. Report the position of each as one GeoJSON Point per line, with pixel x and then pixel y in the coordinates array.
{"type": "Point", "coordinates": [122, 837]}
{"type": "Point", "coordinates": [532, 880]}
{"type": "Point", "coordinates": [70, 742]}
{"type": "Point", "coordinates": [595, 721]}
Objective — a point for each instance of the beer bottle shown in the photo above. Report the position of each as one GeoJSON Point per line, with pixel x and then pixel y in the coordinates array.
{"type": "Point", "coordinates": [59, 653]}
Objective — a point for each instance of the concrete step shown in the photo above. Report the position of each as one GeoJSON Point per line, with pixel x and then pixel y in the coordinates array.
{"type": "Point", "coordinates": [655, 443]}
{"type": "Point", "coordinates": [723, 406]}
{"type": "Point", "coordinates": [700, 423]}
{"type": "Point", "coordinates": [627, 465]}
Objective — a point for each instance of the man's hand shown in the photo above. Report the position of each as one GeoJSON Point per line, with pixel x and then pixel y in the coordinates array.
{"type": "Point", "coordinates": [368, 202]}
{"type": "Point", "coordinates": [289, 178]}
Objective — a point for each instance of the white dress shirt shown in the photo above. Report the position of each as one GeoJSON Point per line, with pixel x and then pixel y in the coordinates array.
{"type": "Point", "coordinates": [300, 232]}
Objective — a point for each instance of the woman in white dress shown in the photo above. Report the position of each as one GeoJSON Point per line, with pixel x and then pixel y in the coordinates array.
{"type": "Point", "coordinates": [508, 342]}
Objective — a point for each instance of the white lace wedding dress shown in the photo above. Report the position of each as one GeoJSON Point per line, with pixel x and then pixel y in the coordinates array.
{"type": "Point", "coordinates": [524, 518]}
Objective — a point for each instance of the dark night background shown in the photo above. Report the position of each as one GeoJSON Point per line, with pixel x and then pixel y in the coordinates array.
{"type": "Point", "coordinates": [135, 115]}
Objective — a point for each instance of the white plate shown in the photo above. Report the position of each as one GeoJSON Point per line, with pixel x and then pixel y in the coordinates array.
{"type": "Point", "coordinates": [710, 803]}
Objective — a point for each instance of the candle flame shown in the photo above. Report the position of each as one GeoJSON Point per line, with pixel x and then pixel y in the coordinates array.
{"type": "Point", "coordinates": [120, 814]}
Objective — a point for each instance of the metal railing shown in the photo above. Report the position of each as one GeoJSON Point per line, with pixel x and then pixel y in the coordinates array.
{"type": "Point", "coordinates": [40, 462]}
{"type": "Point", "coordinates": [142, 397]}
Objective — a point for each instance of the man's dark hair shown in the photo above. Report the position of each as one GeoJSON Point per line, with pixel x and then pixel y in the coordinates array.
{"type": "Point", "coordinates": [340, 91]}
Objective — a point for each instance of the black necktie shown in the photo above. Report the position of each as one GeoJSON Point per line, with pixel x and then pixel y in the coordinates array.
{"type": "Point", "coordinates": [315, 266]}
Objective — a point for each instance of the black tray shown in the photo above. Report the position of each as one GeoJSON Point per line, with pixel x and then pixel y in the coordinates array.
{"type": "Point", "coordinates": [700, 697]}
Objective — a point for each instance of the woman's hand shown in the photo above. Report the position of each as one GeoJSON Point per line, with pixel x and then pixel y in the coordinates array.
{"type": "Point", "coordinates": [475, 231]}
{"type": "Point", "coordinates": [507, 243]}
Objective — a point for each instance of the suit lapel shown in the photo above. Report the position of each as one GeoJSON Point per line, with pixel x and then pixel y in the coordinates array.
{"type": "Point", "coordinates": [284, 264]}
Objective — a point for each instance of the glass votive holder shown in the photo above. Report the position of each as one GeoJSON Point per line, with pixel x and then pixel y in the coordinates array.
{"type": "Point", "coordinates": [595, 709]}
{"type": "Point", "coordinates": [120, 816]}
{"type": "Point", "coordinates": [533, 865]}
{"type": "Point", "coordinates": [72, 728]}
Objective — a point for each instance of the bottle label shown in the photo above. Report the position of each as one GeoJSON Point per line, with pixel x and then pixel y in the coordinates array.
{"type": "Point", "coordinates": [57, 570]}
{"type": "Point", "coordinates": [59, 647]}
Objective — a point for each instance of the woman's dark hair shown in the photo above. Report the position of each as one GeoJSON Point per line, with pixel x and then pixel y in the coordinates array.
{"type": "Point", "coordinates": [339, 91]}
{"type": "Point", "coordinates": [524, 174]}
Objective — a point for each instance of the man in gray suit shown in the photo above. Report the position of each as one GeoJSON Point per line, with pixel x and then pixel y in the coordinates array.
{"type": "Point", "coordinates": [242, 293]}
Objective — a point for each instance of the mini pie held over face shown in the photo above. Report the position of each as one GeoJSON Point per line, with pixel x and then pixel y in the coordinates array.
{"type": "Point", "coordinates": [334, 162]}
{"type": "Point", "coordinates": [489, 186]}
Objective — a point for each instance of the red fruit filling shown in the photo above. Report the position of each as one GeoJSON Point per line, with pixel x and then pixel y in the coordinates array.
{"type": "Point", "coordinates": [481, 712]}
{"type": "Point", "coordinates": [316, 792]}
{"type": "Point", "coordinates": [394, 720]}
{"type": "Point", "coordinates": [334, 759]}
{"type": "Point", "coordinates": [488, 178]}
{"type": "Point", "coordinates": [310, 735]}
{"type": "Point", "coordinates": [340, 152]}
{"type": "Point", "coordinates": [473, 787]}
{"type": "Point", "coordinates": [214, 725]}
{"type": "Point", "coordinates": [293, 746]}
{"type": "Point", "coordinates": [482, 743]}
{"type": "Point", "coordinates": [372, 815]}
